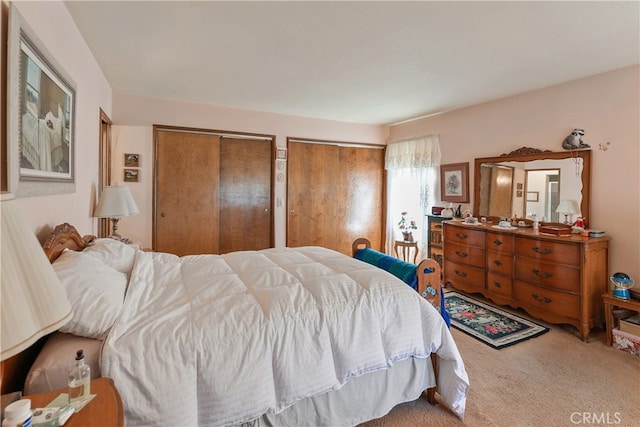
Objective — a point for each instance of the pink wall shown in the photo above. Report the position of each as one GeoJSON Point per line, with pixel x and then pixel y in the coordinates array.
{"type": "Point", "coordinates": [52, 24]}
{"type": "Point", "coordinates": [606, 106]}
{"type": "Point", "coordinates": [132, 132]}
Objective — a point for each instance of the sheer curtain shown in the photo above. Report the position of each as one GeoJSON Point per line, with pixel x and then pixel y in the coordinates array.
{"type": "Point", "coordinates": [411, 166]}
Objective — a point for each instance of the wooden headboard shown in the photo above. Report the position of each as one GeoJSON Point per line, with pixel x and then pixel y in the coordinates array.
{"type": "Point", "coordinates": [64, 236]}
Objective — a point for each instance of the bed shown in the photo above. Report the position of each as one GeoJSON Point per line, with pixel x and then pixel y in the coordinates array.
{"type": "Point", "coordinates": [282, 336]}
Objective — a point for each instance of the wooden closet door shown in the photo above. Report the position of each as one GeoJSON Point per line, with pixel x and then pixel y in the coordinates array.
{"type": "Point", "coordinates": [312, 195]}
{"type": "Point", "coordinates": [334, 195]}
{"type": "Point", "coordinates": [245, 194]}
{"type": "Point", "coordinates": [186, 193]}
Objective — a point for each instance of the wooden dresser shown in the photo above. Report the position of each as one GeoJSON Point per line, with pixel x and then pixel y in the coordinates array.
{"type": "Point", "coordinates": [559, 279]}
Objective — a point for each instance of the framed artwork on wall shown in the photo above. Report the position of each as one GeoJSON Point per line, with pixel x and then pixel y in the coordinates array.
{"type": "Point", "coordinates": [131, 160]}
{"type": "Point", "coordinates": [454, 182]}
{"type": "Point", "coordinates": [41, 122]}
{"type": "Point", "coordinates": [131, 175]}
{"type": "Point", "coordinates": [533, 196]}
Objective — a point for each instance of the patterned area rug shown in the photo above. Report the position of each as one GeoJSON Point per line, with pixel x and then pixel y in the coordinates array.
{"type": "Point", "coordinates": [489, 324]}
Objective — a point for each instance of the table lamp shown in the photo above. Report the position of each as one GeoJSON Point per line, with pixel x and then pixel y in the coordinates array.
{"type": "Point", "coordinates": [33, 301]}
{"type": "Point", "coordinates": [568, 207]}
{"type": "Point", "coordinates": [115, 202]}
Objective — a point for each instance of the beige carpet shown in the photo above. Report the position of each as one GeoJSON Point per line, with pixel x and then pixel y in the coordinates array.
{"type": "Point", "coordinates": [552, 380]}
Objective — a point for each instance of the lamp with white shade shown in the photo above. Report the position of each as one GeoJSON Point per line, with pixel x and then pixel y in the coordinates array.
{"type": "Point", "coordinates": [115, 202]}
{"type": "Point", "coordinates": [568, 207]}
{"type": "Point", "coordinates": [32, 300]}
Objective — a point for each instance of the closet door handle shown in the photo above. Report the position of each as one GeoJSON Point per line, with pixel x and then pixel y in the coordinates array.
{"type": "Point", "coordinates": [163, 214]}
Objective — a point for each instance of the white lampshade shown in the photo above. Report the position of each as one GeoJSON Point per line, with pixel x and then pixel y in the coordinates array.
{"type": "Point", "coordinates": [568, 207]}
{"type": "Point", "coordinates": [115, 202]}
{"type": "Point", "coordinates": [32, 299]}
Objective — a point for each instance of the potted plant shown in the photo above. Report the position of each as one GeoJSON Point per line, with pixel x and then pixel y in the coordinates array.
{"type": "Point", "coordinates": [407, 226]}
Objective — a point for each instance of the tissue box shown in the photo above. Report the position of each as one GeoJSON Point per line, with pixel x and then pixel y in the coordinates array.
{"type": "Point", "coordinates": [626, 342]}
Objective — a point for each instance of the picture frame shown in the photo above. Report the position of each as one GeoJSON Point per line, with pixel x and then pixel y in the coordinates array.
{"type": "Point", "coordinates": [131, 175]}
{"type": "Point", "coordinates": [519, 193]}
{"type": "Point", "coordinates": [454, 182]}
{"type": "Point", "coordinates": [281, 154]}
{"type": "Point", "coordinates": [533, 196]}
{"type": "Point", "coordinates": [131, 160]}
{"type": "Point", "coordinates": [41, 99]}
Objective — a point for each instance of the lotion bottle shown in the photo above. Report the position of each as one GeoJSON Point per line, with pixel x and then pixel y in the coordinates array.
{"type": "Point", "coordinates": [79, 379]}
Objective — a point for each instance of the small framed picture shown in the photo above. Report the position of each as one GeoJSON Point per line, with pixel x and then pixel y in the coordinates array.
{"type": "Point", "coordinates": [454, 182]}
{"type": "Point", "coordinates": [519, 187]}
{"type": "Point", "coordinates": [131, 160]}
{"type": "Point", "coordinates": [281, 153]}
{"type": "Point", "coordinates": [533, 196]}
{"type": "Point", "coordinates": [519, 193]}
{"type": "Point", "coordinates": [131, 175]}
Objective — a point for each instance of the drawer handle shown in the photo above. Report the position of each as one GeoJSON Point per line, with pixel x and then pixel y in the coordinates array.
{"type": "Point", "coordinates": [542, 275]}
{"type": "Point", "coordinates": [461, 273]}
{"type": "Point", "coordinates": [462, 254]}
{"type": "Point", "coordinates": [461, 235]}
{"type": "Point", "coordinates": [545, 300]}
{"type": "Point", "coordinates": [497, 262]}
{"type": "Point", "coordinates": [497, 242]}
{"type": "Point", "coordinates": [497, 284]}
{"type": "Point", "coordinates": [543, 251]}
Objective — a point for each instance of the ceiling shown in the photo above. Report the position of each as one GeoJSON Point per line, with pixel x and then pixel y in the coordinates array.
{"type": "Point", "coordinates": [361, 62]}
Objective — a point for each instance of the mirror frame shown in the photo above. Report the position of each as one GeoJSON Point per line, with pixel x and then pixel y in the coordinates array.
{"type": "Point", "coordinates": [526, 154]}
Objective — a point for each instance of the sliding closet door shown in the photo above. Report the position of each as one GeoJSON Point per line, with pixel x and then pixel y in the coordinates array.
{"type": "Point", "coordinates": [312, 195]}
{"type": "Point", "coordinates": [186, 193]}
{"type": "Point", "coordinates": [245, 194]}
{"type": "Point", "coordinates": [334, 195]}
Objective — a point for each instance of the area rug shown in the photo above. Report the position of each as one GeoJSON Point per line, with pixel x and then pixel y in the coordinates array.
{"type": "Point", "coordinates": [491, 325]}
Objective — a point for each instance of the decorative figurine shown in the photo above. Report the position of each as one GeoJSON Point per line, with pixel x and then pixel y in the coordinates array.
{"type": "Point", "coordinates": [574, 140]}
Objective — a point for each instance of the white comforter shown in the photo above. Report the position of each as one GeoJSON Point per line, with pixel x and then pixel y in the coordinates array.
{"type": "Point", "coordinates": [218, 340]}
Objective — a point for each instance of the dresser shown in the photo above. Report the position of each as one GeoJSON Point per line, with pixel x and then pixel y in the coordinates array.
{"type": "Point", "coordinates": [559, 279]}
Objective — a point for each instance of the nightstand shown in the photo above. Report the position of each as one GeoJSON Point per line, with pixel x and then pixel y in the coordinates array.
{"type": "Point", "coordinates": [104, 410]}
{"type": "Point", "coordinates": [609, 302]}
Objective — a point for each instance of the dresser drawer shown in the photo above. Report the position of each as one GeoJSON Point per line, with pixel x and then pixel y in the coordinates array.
{"type": "Point", "coordinates": [464, 254]}
{"type": "Point", "coordinates": [499, 242]}
{"type": "Point", "coordinates": [498, 284]}
{"type": "Point", "coordinates": [464, 277]}
{"type": "Point", "coordinates": [548, 301]}
{"type": "Point", "coordinates": [500, 263]}
{"type": "Point", "coordinates": [464, 234]}
{"type": "Point", "coordinates": [544, 250]}
{"type": "Point", "coordinates": [554, 276]}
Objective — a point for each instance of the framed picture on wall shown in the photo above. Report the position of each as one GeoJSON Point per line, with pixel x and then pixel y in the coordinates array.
{"type": "Point", "coordinates": [533, 196]}
{"type": "Point", "coordinates": [131, 160]}
{"type": "Point", "coordinates": [41, 120]}
{"type": "Point", "coordinates": [454, 182]}
{"type": "Point", "coordinates": [131, 175]}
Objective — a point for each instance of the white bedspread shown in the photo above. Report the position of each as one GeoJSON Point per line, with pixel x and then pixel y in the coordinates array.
{"type": "Point", "coordinates": [220, 340]}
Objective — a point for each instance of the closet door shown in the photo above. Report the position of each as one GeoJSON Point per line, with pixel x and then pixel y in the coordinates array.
{"type": "Point", "coordinates": [245, 194]}
{"type": "Point", "coordinates": [186, 193]}
{"type": "Point", "coordinates": [334, 195]}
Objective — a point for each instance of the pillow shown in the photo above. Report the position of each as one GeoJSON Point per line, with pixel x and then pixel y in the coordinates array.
{"type": "Point", "coordinates": [51, 368]}
{"type": "Point", "coordinates": [117, 255]}
{"type": "Point", "coordinates": [95, 291]}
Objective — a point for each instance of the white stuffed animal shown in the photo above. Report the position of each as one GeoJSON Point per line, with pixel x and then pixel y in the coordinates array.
{"type": "Point", "coordinates": [574, 140]}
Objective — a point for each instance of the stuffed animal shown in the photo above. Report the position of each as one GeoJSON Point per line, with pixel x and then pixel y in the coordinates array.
{"type": "Point", "coordinates": [574, 140]}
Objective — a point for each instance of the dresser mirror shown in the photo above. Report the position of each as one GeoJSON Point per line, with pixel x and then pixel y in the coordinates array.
{"type": "Point", "coordinates": [528, 181]}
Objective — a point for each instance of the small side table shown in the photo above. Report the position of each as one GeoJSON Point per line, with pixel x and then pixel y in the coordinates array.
{"type": "Point", "coordinates": [609, 302]}
{"type": "Point", "coordinates": [406, 248]}
{"type": "Point", "coordinates": [104, 410]}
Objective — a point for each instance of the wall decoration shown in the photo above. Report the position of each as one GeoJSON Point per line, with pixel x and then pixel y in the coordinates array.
{"type": "Point", "coordinates": [519, 193]}
{"type": "Point", "coordinates": [131, 160]}
{"type": "Point", "coordinates": [281, 153]}
{"type": "Point", "coordinates": [41, 120]}
{"type": "Point", "coordinates": [533, 196]}
{"type": "Point", "coordinates": [519, 186]}
{"type": "Point", "coordinates": [131, 175]}
{"type": "Point", "coordinates": [454, 182]}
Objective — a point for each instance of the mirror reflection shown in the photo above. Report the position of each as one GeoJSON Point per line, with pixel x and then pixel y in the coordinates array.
{"type": "Point", "coordinates": [534, 185]}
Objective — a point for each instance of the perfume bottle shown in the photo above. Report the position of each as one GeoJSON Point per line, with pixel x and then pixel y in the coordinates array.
{"type": "Point", "coordinates": [79, 379]}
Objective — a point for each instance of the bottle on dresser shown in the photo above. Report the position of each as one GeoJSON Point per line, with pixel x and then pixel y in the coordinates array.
{"type": "Point", "coordinates": [79, 379]}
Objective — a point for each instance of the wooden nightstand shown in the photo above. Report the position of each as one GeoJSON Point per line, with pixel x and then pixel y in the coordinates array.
{"type": "Point", "coordinates": [104, 410]}
{"type": "Point", "coordinates": [609, 302]}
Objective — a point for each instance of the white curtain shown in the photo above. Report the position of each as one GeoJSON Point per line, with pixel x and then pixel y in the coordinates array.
{"type": "Point", "coordinates": [412, 170]}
